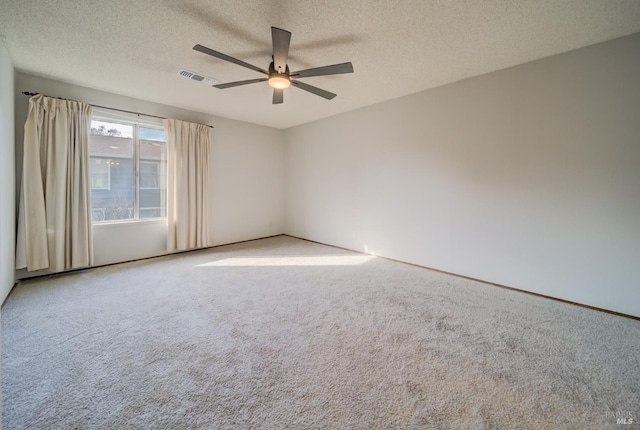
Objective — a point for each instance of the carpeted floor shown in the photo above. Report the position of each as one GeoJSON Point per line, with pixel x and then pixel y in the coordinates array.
{"type": "Point", "coordinates": [284, 333]}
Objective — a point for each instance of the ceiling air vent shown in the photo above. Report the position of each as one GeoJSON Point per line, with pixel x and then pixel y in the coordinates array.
{"type": "Point", "coordinates": [196, 77]}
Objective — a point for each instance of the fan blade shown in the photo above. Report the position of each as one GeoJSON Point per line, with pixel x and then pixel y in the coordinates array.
{"type": "Point", "coordinates": [335, 69]}
{"type": "Point", "coordinates": [281, 39]}
{"type": "Point", "coordinates": [278, 96]}
{"type": "Point", "coordinates": [225, 57]}
{"type": "Point", "coordinates": [238, 83]}
{"type": "Point", "coordinates": [315, 90]}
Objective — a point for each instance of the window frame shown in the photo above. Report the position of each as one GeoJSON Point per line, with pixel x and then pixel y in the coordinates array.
{"type": "Point", "coordinates": [136, 123]}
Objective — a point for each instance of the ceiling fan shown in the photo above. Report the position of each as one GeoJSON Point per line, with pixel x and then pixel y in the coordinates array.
{"type": "Point", "coordinates": [279, 76]}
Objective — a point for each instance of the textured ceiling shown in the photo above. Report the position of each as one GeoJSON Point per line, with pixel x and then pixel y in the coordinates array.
{"type": "Point", "coordinates": [135, 48]}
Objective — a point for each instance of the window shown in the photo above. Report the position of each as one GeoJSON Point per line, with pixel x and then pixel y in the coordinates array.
{"type": "Point", "coordinates": [128, 167]}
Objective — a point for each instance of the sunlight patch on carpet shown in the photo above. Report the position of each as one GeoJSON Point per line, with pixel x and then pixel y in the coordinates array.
{"type": "Point", "coordinates": [323, 260]}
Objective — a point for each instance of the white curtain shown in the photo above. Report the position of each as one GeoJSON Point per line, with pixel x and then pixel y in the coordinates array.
{"type": "Point", "coordinates": [54, 224]}
{"type": "Point", "coordinates": [188, 147]}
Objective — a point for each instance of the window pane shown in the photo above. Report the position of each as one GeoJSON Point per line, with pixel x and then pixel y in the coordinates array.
{"type": "Point", "coordinates": [111, 169]}
{"type": "Point", "coordinates": [153, 173]}
{"type": "Point", "coordinates": [100, 173]}
{"type": "Point", "coordinates": [149, 174]}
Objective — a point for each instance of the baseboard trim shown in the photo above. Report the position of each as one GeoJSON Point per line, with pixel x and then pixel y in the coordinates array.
{"type": "Point", "coordinates": [82, 269]}
{"type": "Point", "coordinates": [8, 294]}
{"type": "Point", "coordinates": [594, 308]}
{"type": "Point", "coordinates": [620, 314]}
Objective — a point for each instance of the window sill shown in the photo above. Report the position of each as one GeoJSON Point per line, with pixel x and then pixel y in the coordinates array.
{"type": "Point", "coordinates": [125, 222]}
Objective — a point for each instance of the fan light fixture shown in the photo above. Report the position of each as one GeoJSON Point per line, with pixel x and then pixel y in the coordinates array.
{"type": "Point", "coordinates": [279, 82]}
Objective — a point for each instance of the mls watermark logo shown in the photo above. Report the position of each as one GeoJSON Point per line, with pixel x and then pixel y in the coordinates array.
{"type": "Point", "coordinates": [621, 417]}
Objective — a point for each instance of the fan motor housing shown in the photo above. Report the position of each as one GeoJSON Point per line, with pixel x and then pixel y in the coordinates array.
{"type": "Point", "coordinates": [279, 80]}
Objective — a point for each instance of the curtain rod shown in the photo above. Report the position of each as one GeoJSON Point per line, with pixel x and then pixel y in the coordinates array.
{"type": "Point", "coordinates": [27, 93]}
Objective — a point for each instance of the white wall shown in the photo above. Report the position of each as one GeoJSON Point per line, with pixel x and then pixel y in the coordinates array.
{"type": "Point", "coordinates": [248, 186]}
{"type": "Point", "coordinates": [247, 175]}
{"type": "Point", "coordinates": [7, 182]}
{"type": "Point", "coordinates": [527, 177]}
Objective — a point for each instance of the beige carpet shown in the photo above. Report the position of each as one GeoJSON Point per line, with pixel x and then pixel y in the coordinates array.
{"type": "Point", "coordinates": [284, 333]}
